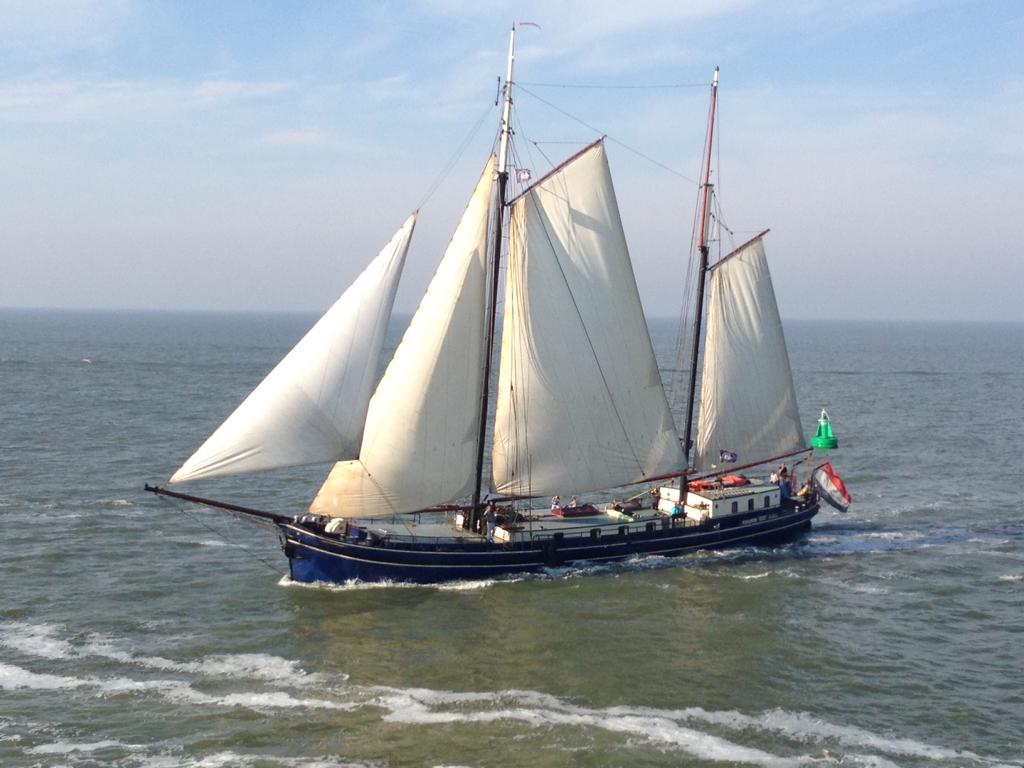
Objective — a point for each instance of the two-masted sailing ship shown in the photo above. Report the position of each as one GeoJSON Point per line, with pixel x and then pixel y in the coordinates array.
{"type": "Point", "coordinates": [437, 468]}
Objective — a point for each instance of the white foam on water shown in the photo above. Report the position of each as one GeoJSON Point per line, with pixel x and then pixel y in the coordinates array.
{"type": "Point", "coordinates": [415, 707]}
{"type": "Point", "coordinates": [852, 586]}
{"type": "Point", "coordinates": [632, 564]}
{"type": "Point", "coordinates": [807, 728]}
{"type": "Point", "coordinates": [14, 678]}
{"type": "Point", "coordinates": [247, 666]}
{"type": "Point", "coordinates": [472, 586]}
{"type": "Point", "coordinates": [182, 692]}
{"type": "Point", "coordinates": [355, 585]}
{"type": "Point", "coordinates": [893, 535]}
{"type": "Point", "coordinates": [35, 640]}
{"type": "Point", "coordinates": [784, 573]}
{"type": "Point", "coordinates": [820, 538]}
{"type": "Point", "coordinates": [673, 728]}
{"type": "Point", "coordinates": [279, 700]}
{"type": "Point", "coordinates": [231, 759]}
{"type": "Point", "coordinates": [1012, 577]}
{"type": "Point", "coordinates": [260, 666]}
{"type": "Point", "coordinates": [67, 748]}
{"type": "Point", "coordinates": [871, 761]}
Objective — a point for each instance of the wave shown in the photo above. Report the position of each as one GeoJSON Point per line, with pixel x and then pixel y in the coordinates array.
{"type": "Point", "coordinates": [668, 728]}
{"type": "Point", "coordinates": [41, 641]}
{"type": "Point", "coordinates": [261, 682]}
{"type": "Point", "coordinates": [35, 639]}
{"type": "Point", "coordinates": [65, 748]}
{"type": "Point", "coordinates": [14, 678]}
{"type": "Point", "coordinates": [355, 585]}
{"type": "Point", "coordinates": [164, 756]}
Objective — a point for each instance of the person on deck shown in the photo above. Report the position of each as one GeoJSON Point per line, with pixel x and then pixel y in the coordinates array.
{"type": "Point", "coordinates": [785, 489]}
{"type": "Point", "coordinates": [556, 503]}
{"type": "Point", "coordinates": [572, 502]}
{"type": "Point", "coordinates": [491, 519]}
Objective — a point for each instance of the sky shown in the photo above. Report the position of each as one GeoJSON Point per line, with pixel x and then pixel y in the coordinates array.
{"type": "Point", "coordinates": [256, 155]}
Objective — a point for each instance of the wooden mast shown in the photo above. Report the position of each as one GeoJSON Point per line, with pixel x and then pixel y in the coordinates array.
{"type": "Point", "coordinates": [501, 179]}
{"type": "Point", "coordinates": [702, 242]}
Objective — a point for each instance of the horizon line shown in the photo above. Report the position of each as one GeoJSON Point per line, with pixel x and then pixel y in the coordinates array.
{"type": "Point", "coordinates": [318, 313]}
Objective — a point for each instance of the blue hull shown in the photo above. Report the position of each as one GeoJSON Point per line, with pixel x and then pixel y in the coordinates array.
{"type": "Point", "coordinates": [316, 557]}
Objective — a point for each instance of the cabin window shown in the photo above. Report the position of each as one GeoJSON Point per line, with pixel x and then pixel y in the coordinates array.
{"type": "Point", "coordinates": [735, 507]}
{"type": "Point", "coordinates": [767, 501]}
{"type": "Point", "coordinates": [750, 505]}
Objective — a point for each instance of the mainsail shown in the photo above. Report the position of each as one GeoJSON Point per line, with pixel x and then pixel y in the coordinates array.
{"type": "Point", "coordinates": [311, 407]}
{"type": "Point", "coordinates": [747, 402]}
{"type": "Point", "coordinates": [420, 443]}
{"type": "Point", "coordinates": [580, 401]}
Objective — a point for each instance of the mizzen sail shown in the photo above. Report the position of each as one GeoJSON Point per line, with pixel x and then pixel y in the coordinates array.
{"type": "Point", "coordinates": [580, 401]}
{"type": "Point", "coordinates": [311, 407]}
{"type": "Point", "coordinates": [748, 402]}
{"type": "Point", "coordinates": [420, 443]}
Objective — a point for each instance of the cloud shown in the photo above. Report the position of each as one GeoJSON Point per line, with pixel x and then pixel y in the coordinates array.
{"type": "Point", "coordinates": [40, 28]}
{"type": "Point", "coordinates": [305, 139]}
{"type": "Point", "coordinates": [308, 138]}
{"type": "Point", "coordinates": [56, 101]}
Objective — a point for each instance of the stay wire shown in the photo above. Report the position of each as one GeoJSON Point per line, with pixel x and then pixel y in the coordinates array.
{"type": "Point", "coordinates": [610, 138]}
{"type": "Point", "coordinates": [443, 174]}
{"type": "Point", "coordinates": [601, 86]}
{"type": "Point", "coordinates": [219, 534]}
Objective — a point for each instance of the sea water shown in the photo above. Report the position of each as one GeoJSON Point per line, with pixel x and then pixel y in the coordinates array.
{"type": "Point", "coordinates": [137, 632]}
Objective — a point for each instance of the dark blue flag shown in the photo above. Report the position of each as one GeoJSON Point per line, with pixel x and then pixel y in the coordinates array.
{"type": "Point", "coordinates": [727, 457]}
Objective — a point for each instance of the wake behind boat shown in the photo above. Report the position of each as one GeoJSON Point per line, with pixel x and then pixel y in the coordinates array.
{"type": "Point", "coordinates": [411, 496]}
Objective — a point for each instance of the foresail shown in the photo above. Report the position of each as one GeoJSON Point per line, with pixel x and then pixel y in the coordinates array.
{"type": "Point", "coordinates": [748, 402]}
{"type": "Point", "coordinates": [420, 443]}
{"type": "Point", "coordinates": [580, 401]}
{"type": "Point", "coordinates": [311, 407]}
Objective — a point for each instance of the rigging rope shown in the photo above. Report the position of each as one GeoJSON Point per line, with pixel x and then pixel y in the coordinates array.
{"type": "Point", "coordinates": [615, 87]}
{"type": "Point", "coordinates": [610, 138]}
{"type": "Point", "coordinates": [195, 518]}
{"type": "Point", "coordinates": [453, 159]}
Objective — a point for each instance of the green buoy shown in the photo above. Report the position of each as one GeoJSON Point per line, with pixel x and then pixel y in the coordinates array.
{"type": "Point", "coordinates": [824, 440]}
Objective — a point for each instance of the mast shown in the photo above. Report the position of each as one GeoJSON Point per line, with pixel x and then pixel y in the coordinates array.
{"type": "Point", "coordinates": [501, 179]}
{"type": "Point", "coordinates": [702, 241]}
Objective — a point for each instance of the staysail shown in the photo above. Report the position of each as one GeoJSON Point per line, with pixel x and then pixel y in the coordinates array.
{"type": "Point", "coordinates": [311, 407]}
{"type": "Point", "coordinates": [420, 443]}
{"type": "Point", "coordinates": [580, 401]}
{"type": "Point", "coordinates": [748, 402]}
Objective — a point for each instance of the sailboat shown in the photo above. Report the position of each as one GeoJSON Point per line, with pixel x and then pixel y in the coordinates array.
{"type": "Point", "coordinates": [578, 404]}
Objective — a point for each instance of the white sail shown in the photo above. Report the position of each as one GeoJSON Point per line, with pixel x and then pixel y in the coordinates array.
{"type": "Point", "coordinates": [311, 407]}
{"type": "Point", "coordinates": [580, 401]}
{"type": "Point", "coordinates": [420, 444]}
{"type": "Point", "coordinates": [748, 402]}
